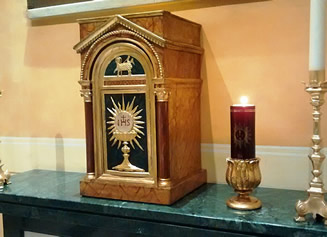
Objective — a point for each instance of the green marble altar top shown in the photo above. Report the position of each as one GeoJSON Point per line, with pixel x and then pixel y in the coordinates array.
{"type": "Point", "coordinates": [203, 208]}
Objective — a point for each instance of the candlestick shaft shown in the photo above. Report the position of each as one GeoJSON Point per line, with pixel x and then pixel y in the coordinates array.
{"type": "Point", "coordinates": [317, 34]}
{"type": "Point", "coordinates": [316, 157]}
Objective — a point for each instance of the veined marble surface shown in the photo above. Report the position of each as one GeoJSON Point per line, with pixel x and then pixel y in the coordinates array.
{"type": "Point", "coordinates": [203, 208]}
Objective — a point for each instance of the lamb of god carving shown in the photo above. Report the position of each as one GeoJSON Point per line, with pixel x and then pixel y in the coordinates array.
{"type": "Point", "coordinates": [127, 65]}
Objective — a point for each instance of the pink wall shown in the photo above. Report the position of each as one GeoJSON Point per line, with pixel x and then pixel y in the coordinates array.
{"type": "Point", "coordinates": [256, 49]}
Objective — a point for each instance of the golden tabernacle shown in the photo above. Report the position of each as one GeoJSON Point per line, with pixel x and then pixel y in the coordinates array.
{"type": "Point", "coordinates": [140, 79]}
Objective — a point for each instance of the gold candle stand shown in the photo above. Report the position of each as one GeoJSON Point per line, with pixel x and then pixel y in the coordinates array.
{"type": "Point", "coordinates": [4, 177]}
{"type": "Point", "coordinates": [315, 204]}
{"type": "Point", "coordinates": [244, 176]}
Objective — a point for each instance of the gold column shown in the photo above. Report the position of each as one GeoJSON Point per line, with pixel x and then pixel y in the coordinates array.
{"type": "Point", "coordinates": [315, 204]}
{"type": "Point", "coordinates": [86, 93]}
{"type": "Point", "coordinates": [162, 96]}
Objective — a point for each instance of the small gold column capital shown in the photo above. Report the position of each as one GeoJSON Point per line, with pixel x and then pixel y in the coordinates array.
{"type": "Point", "coordinates": [86, 92]}
{"type": "Point", "coordinates": [162, 95]}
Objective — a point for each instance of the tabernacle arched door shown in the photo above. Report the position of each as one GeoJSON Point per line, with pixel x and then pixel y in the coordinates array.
{"type": "Point", "coordinates": [124, 115]}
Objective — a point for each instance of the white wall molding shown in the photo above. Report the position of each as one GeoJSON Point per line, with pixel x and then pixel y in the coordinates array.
{"type": "Point", "coordinates": [20, 154]}
{"type": "Point", "coordinates": [281, 166]}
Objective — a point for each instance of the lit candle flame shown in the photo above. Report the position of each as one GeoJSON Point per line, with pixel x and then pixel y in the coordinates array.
{"type": "Point", "coordinates": [244, 100]}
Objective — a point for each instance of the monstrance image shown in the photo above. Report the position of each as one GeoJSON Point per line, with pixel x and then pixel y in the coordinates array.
{"type": "Point", "coordinates": [125, 128]}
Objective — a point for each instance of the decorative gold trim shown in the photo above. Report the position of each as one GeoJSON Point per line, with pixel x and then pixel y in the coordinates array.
{"type": "Point", "coordinates": [164, 182]}
{"type": "Point", "coordinates": [316, 77]}
{"type": "Point", "coordinates": [118, 19]}
{"type": "Point", "coordinates": [100, 65]}
{"type": "Point", "coordinates": [127, 79]}
{"type": "Point", "coordinates": [118, 179]}
{"type": "Point", "coordinates": [162, 95]}
{"type": "Point", "coordinates": [90, 175]}
{"type": "Point", "coordinates": [86, 92]}
{"type": "Point", "coordinates": [85, 83]}
{"type": "Point", "coordinates": [115, 33]}
{"type": "Point", "coordinates": [141, 174]}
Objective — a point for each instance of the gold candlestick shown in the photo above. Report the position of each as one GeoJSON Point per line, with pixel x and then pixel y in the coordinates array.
{"type": "Point", "coordinates": [4, 175]}
{"type": "Point", "coordinates": [244, 176]}
{"type": "Point", "coordinates": [315, 204]}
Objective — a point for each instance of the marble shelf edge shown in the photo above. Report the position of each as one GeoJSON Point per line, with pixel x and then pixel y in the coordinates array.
{"type": "Point", "coordinates": [203, 208]}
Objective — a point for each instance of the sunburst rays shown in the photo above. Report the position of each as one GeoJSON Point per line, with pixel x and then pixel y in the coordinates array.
{"type": "Point", "coordinates": [125, 124]}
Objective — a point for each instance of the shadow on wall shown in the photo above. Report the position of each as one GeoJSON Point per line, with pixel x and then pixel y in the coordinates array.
{"type": "Point", "coordinates": [60, 154]}
{"type": "Point", "coordinates": [210, 89]}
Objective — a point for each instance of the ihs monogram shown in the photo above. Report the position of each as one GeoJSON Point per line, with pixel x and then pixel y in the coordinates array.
{"type": "Point", "coordinates": [242, 136]}
{"type": "Point", "coordinates": [124, 121]}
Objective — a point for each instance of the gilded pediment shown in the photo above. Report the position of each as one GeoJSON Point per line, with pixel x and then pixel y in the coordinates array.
{"type": "Point", "coordinates": [113, 22]}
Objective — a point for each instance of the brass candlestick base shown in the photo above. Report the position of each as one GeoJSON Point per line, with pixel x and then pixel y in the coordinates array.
{"type": "Point", "coordinates": [315, 204]}
{"type": "Point", "coordinates": [4, 177]}
{"type": "Point", "coordinates": [243, 176]}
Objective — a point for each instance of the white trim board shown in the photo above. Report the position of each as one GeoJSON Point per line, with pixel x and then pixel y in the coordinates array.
{"type": "Point", "coordinates": [89, 6]}
{"type": "Point", "coordinates": [281, 167]}
{"type": "Point", "coordinates": [20, 154]}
